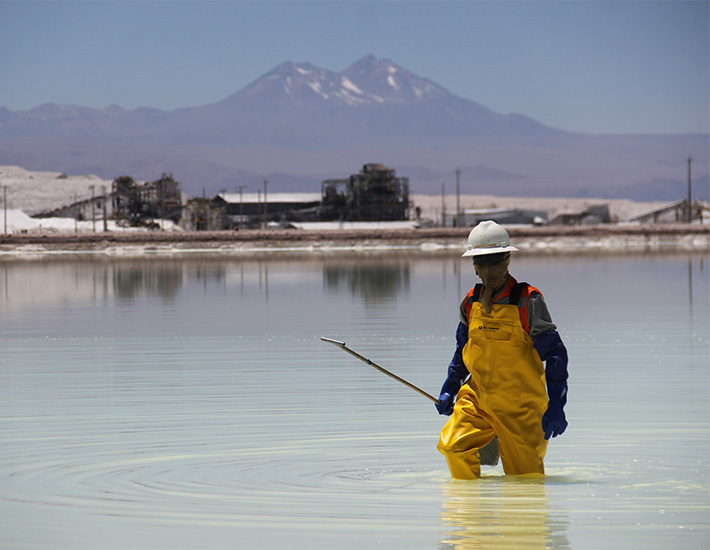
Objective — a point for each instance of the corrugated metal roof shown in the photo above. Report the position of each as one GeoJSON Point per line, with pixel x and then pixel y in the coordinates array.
{"type": "Point", "coordinates": [271, 198]}
{"type": "Point", "coordinates": [331, 226]}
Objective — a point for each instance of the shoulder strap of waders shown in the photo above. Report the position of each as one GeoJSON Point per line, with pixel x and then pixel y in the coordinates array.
{"type": "Point", "coordinates": [518, 290]}
{"type": "Point", "coordinates": [472, 296]}
{"type": "Point", "coordinates": [476, 293]}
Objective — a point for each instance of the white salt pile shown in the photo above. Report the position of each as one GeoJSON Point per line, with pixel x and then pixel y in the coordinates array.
{"type": "Point", "coordinates": [19, 222]}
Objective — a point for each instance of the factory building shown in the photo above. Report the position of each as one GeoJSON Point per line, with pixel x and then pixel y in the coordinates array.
{"type": "Point", "coordinates": [375, 194]}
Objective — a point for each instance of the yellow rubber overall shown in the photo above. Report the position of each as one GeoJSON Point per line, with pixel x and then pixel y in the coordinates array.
{"type": "Point", "coordinates": [506, 396]}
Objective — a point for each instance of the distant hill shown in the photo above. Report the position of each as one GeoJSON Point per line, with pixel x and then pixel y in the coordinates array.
{"type": "Point", "coordinates": [299, 124]}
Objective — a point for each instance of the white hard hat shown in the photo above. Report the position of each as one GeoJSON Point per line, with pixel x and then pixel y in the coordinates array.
{"type": "Point", "coordinates": [488, 238]}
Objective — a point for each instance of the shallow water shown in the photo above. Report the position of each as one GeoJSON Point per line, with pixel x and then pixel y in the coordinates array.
{"type": "Point", "coordinates": [189, 403]}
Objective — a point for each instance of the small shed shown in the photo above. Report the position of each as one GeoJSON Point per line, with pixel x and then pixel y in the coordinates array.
{"type": "Point", "coordinates": [676, 212]}
{"type": "Point", "coordinates": [593, 215]}
{"type": "Point", "coordinates": [252, 209]}
{"type": "Point", "coordinates": [201, 214]}
{"type": "Point", "coordinates": [502, 216]}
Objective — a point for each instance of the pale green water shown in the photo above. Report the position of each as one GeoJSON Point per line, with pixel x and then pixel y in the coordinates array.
{"type": "Point", "coordinates": [191, 404]}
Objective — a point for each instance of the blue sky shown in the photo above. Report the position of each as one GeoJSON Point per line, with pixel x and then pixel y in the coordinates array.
{"type": "Point", "coordinates": [597, 66]}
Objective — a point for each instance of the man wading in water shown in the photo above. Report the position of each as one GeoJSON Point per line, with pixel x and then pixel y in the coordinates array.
{"type": "Point", "coordinates": [503, 338]}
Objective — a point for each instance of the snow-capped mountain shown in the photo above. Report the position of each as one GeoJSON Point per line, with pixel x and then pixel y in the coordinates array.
{"type": "Point", "coordinates": [369, 81]}
{"type": "Point", "coordinates": [298, 124]}
{"type": "Point", "coordinates": [372, 102]}
{"type": "Point", "coordinates": [387, 82]}
{"type": "Point", "coordinates": [295, 103]}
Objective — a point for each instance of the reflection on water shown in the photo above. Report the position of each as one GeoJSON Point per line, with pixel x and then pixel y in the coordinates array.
{"type": "Point", "coordinates": [504, 513]}
{"type": "Point", "coordinates": [372, 281]}
{"type": "Point", "coordinates": [133, 280]}
{"type": "Point", "coordinates": [189, 403]}
{"type": "Point", "coordinates": [368, 279]}
{"type": "Point", "coordinates": [699, 266]}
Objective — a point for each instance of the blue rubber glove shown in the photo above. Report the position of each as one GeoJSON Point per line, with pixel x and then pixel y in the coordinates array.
{"type": "Point", "coordinates": [554, 422]}
{"type": "Point", "coordinates": [550, 348]}
{"type": "Point", "coordinates": [447, 396]}
{"type": "Point", "coordinates": [457, 373]}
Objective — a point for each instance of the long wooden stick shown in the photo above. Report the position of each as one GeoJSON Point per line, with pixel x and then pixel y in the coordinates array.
{"type": "Point", "coordinates": [342, 346]}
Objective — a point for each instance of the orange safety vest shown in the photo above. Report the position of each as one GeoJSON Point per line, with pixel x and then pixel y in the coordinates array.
{"type": "Point", "coordinates": [513, 290]}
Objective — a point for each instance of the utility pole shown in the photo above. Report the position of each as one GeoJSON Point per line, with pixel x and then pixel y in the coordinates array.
{"type": "Point", "coordinates": [690, 204]}
{"type": "Point", "coordinates": [4, 206]}
{"type": "Point", "coordinates": [205, 209]}
{"type": "Point", "coordinates": [93, 212]}
{"type": "Point", "coordinates": [266, 207]}
{"type": "Point", "coordinates": [458, 198]}
{"type": "Point", "coordinates": [103, 189]}
{"type": "Point", "coordinates": [241, 204]}
{"type": "Point", "coordinates": [162, 201]}
{"type": "Point", "coordinates": [443, 204]}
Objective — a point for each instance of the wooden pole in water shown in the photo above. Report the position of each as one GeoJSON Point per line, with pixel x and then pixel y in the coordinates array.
{"type": "Point", "coordinates": [379, 368]}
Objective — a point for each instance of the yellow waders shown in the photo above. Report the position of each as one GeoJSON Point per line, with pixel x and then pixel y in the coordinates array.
{"type": "Point", "coordinates": [506, 396]}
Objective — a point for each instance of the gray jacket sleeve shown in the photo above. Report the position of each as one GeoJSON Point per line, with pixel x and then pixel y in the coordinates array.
{"type": "Point", "coordinates": [539, 319]}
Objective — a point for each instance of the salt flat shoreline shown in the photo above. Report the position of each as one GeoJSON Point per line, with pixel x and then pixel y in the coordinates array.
{"type": "Point", "coordinates": [552, 239]}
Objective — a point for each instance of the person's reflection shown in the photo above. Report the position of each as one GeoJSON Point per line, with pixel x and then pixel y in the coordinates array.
{"type": "Point", "coordinates": [501, 513]}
